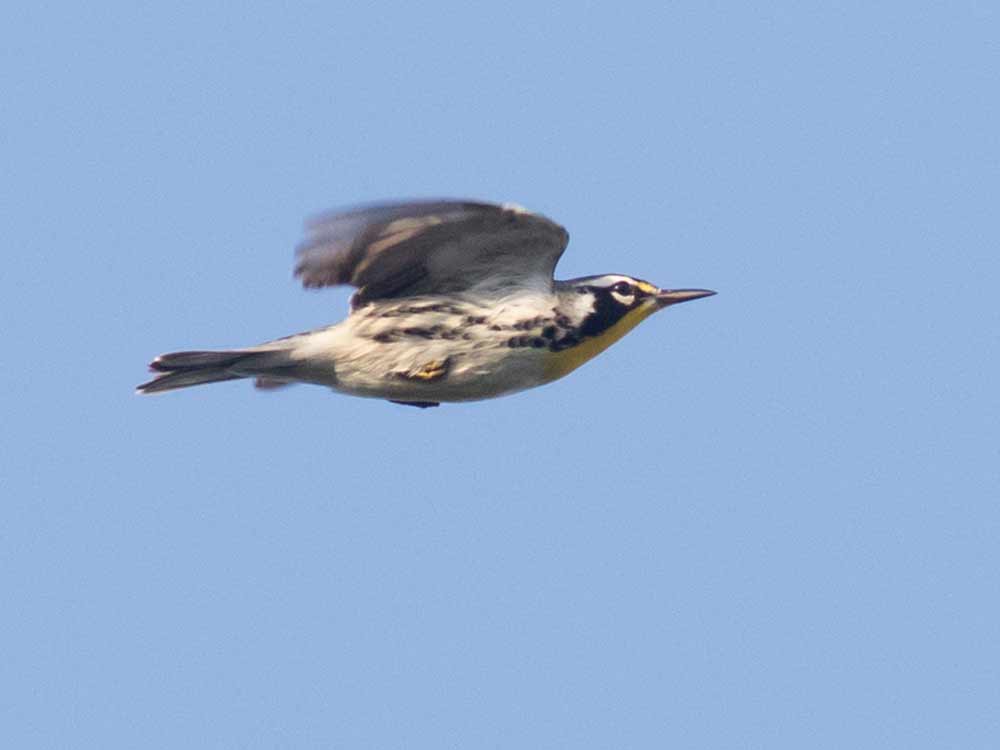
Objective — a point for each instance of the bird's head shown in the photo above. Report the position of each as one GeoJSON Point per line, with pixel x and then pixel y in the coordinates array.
{"type": "Point", "coordinates": [595, 311]}
{"type": "Point", "coordinates": [598, 304]}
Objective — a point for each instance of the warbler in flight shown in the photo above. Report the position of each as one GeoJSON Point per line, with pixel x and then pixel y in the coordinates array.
{"type": "Point", "coordinates": [455, 301]}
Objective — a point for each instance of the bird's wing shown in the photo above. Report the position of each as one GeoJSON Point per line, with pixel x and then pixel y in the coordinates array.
{"type": "Point", "coordinates": [427, 247]}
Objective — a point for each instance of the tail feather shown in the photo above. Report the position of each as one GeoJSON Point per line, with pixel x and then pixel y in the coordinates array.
{"type": "Point", "coordinates": [177, 361]}
{"type": "Point", "coordinates": [170, 381]}
{"type": "Point", "coordinates": [184, 369]}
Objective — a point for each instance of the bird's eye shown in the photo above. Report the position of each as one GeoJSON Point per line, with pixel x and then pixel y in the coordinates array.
{"type": "Point", "coordinates": [623, 288]}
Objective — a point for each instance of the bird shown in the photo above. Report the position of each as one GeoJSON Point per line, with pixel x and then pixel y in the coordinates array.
{"type": "Point", "coordinates": [454, 301]}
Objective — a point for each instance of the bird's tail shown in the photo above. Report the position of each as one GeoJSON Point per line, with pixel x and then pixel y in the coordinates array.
{"type": "Point", "coordinates": [184, 369]}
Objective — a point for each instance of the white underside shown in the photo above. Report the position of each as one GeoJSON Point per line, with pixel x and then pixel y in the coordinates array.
{"type": "Point", "coordinates": [347, 359]}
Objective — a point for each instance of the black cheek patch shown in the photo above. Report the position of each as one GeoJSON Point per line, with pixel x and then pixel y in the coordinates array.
{"type": "Point", "coordinates": [607, 312]}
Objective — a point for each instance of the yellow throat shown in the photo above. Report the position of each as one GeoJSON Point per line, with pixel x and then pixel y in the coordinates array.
{"type": "Point", "coordinates": [558, 364]}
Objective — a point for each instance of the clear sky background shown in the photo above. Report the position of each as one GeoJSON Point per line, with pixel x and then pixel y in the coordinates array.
{"type": "Point", "coordinates": [769, 519]}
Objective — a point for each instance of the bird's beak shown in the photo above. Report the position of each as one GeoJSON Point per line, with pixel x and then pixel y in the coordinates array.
{"type": "Point", "coordinates": [674, 296]}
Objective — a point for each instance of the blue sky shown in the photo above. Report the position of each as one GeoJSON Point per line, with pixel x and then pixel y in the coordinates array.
{"type": "Point", "coordinates": [768, 519]}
